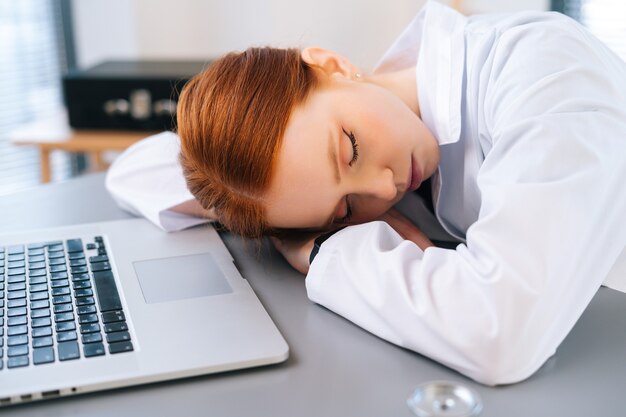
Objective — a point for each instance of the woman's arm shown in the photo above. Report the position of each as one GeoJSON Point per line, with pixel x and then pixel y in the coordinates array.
{"type": "Point", "coordinates": [193, 208]}
{"type": "Point", "coordinates": [297, 251]}
{"type": "Point", "coordinates": [147, 180]}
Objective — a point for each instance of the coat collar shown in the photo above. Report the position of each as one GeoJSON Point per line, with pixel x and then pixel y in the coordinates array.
{"type": "Point", "coordinates": [434, 41]}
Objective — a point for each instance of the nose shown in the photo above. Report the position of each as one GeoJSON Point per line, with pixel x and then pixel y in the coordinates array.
{"type": "Point", "coordinates": [382, 185]}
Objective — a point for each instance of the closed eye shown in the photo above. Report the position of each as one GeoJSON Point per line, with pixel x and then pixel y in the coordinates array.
{"type": "Point", "coordinates": [355, 146]}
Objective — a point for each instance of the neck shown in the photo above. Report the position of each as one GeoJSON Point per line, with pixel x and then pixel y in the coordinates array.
{"type": "Point", "coordinates": [402, 83]}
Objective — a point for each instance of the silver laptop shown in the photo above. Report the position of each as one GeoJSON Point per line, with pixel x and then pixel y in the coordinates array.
{"type": "Point", "coordinates": [105, 305]}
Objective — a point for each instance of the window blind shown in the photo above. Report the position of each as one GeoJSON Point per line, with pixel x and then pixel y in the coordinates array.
{"type": "Point", "coordinates": [32, 61]}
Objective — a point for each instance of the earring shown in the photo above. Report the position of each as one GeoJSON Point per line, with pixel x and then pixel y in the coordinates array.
{"type": "Point", "coordinates": [357, 76]}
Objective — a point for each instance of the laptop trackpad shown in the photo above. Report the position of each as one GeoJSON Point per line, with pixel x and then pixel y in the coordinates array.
{"type": "Point", "coordinates": [180, 277]}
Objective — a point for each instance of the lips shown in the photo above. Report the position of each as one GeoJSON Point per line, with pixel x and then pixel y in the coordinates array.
{"type": "Point", "coordinates": [415, 176]}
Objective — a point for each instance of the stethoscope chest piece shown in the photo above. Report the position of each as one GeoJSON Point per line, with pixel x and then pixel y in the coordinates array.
{"type": "Point", "coordinates": [444, 399]}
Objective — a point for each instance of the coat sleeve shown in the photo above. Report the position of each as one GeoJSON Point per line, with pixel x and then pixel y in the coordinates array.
{"type": "Point", "coordinates": [551, 223]}
{"type": "Point", "coordinates": [147, 180]}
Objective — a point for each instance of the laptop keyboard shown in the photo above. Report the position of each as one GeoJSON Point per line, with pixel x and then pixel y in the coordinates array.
{"type": "Point", "coordinates": [48, 309]}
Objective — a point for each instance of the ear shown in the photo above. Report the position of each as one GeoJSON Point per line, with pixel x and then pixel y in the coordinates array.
{"type": "Point", "coordinates": [328, 61]}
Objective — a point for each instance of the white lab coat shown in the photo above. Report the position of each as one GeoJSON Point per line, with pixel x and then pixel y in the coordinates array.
{"type": "Point", "coordinates": [530, 113]}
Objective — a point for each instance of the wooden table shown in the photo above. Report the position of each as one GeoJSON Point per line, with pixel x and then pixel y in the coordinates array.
{"type": "Point", "coordinates": [91, 142]}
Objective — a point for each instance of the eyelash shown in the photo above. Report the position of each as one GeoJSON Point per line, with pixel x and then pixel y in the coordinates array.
{"type": "Point", "coordinates": [355, 156]}
{"type": "Point", "coordinates": [355, 146]}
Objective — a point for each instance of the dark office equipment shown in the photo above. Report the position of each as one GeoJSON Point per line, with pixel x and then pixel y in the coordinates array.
{"type": "Point", "coordinates": [128, 95]}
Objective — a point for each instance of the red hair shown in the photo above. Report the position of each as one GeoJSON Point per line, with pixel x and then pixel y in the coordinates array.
{"type": "Point", "coordinates": [231, 120]}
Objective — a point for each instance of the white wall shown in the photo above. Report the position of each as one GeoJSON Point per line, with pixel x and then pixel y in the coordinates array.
{"type": "Point", "coordinates": [104, 29]}
{"type": "Point", "coordinates": [196, 29]}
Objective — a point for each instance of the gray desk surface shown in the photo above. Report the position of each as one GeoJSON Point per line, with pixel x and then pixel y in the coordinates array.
{"type": "Point", "coordinates": [335, 368]}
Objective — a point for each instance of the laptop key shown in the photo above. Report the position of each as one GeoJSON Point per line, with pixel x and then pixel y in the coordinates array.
{"type": "Point", "coordinates": [68, 351]}
{"type": "Point", "coordinates": [58, 275]}
{"type": "Point", "coordinates": [108, 296]}
{"type": "Point", "coordinates": [78, 262]}
{"type": "Point", "coordinates": [17, 362]}
{"type": "Point", "coordinates": [76, 255]}
{"type": "Point", "coordinates": [87, 292]}
{"type": "Point", "coordinates": [41, 332]}
{"type": "Point", "coordinates": [33, 257]}
{"type": "Point", "coordinates": [17, 330]}
{"type": "Point", "coordinates": [17, 286]}
{"type": "Point", "coordinates": [12, 295]}
{"type": "Point", "coordinates": [35, 252]}
{"type": "Point", "coordinates": [86, 309]}
{"type": "Point", "coordinates": [17, 311]}
{"type": "Point", "coordinates": [81, 284]}
{"type": "Point", "coordinates": [81, 301]}
{"type": "Point", "coordinates": [112, 316]}
{"type": "Point", "coordinates": [61, 299]}
{"type": "Point", "coordinates": [43, 355]}
{"type": "Point", "coordinates": [42, 295]}
{"type": "Point", "coordinates": [16, 278]}
{"type": "Point", "coordinates": [17, 263]}
{"type": "Point", "coordinates": [32, 265]}
{"type": "Point", "coordinates": [65, 326]}
{"type": "Point", "coordinates": [120, 347]}
{"type": "Point", "coordinates": [56, 246]}
{"type": "Point", "coordinates": [93, 349]}
{"type": "Point", "coordinates": [66, 336]}
{"type": "Point", "coordinates": [60, 283]}
{"type": "Point", "coordinates": [17, 340]}
{"type": "Point", "coordinates": [79, 270]}
{"type": "Point", "coordinates": [56, 261]}
{"type": "Point", "coordinates": [15, 255]}
{"type": "Point", "coordinates": [17, 321]}
{"type": "Point", "coordinates": [16, 271]}
{"type": "Point", "coordinates": [42, 312]}
{"type": "Point", "coordinates": [118, 337]}
{"type": "Point", "coordinates": [100, 266]}
{"type": "Point", "coordinates": [17, 351]}
{"type": "Point", "coordinates": [89, 328]}
{"type": "Point", "coordinates": [20, 302]}
{"type": "Point", "coordinates": [58, 268]}
{"type": "Point", "coordinates": [38, 287]}
{"type": "Point", "coordinates": [87, 318]}
{"type": "Point", "coordinates": [42, 341]}
{"type": "Point", "coordinates": [99, 258]}
{"type": "Point", "coordinates": [60, 291]}
{"type": "Point", "coordinates": [74, 245]}
{"type": "Point", "coordinates": [14, 252]}
{"type": "Point", "coordinates": [63, 308]}
{"type": "Point", "coordinates": [63, 317]}
{"type": "Point", "coordinates": [119, 326]}
{"type": "Point", "coordinates": [37, 280]}
{"type": "Point", "coordinates": [37, 273]}
{"type": "Point", "coordinates": [43, 322]}
{"type": "Point", "coordinates": [80, 277]}
{"type": "Point", "coordinates": [91, 338]}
